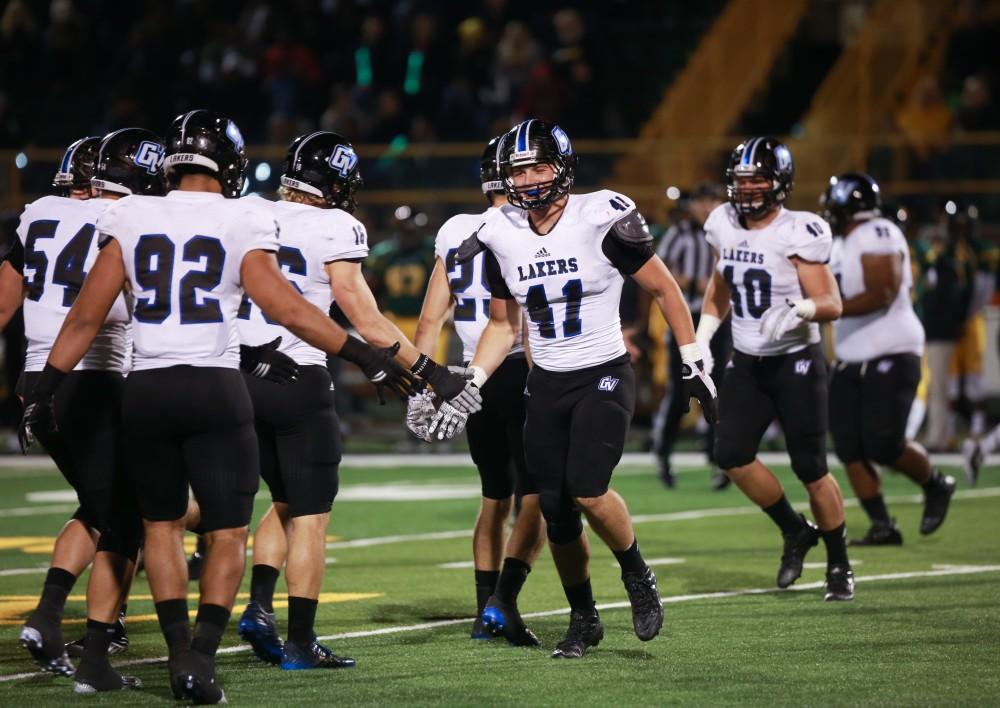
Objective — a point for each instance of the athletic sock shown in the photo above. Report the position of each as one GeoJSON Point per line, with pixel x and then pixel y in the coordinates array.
{"type": "Point", "coordinates": [876, 510]}
{"type": "Point", "coordinates": [58, 583]}
{"type": "Point", "coordinates": [98, 639]}
{"type": "Point", "coordinates": [301, 618]}
{"type": "Point", "coordinates": [581, 597]}
{"type": "Point", "coordinates": [630, 559]}
{"type": "Point", "coordinates": [263, 578]}
{"type": "Point", "coordinates": [175, 624]}
{"type": "Point", "coordinates": [209, 627]}
{"type": "Point", "coordinates": [836, 545]}
{"type": "Point", "coordinates": [125, 609]}
{"type": "Point", "coordinates": [512, 576]}
{"type": "Point", "coordinates": [486, 585]}
{"type": "Point", "coordinates": [782, 513]}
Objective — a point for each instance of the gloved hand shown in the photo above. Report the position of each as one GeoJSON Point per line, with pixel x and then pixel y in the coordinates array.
{"type": "Point", "coordinates": [778, 320]}
{"type": "Point", "coordinates": [698, 384]}
{"type": "Point", "coordinates": [448, 422]}
{"type": "Point", "coordinates": [449, 386]}
{"type": "Point", "coordinates": [419, 412]}
{"type": "Point", "coordinates": [39, 408]}
{"type": "Point", "coordinates": [266, 362]}
{"type": "Point", "coordinates": [380, 366]}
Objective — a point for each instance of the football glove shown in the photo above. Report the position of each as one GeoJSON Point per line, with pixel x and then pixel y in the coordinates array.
{"type": "Point", "coordinates": [419, 411]}
{"type": "Point", "coordinates": [708, 325]}
{"type": "Point", "coordinates": [455, 388]}
{"type": "Point", "coordinates": [380, 366]}
{"type": "Point", "coordinates": [39, 408]}
{"type": "Point", "coordinates": [448, 422]}
{"type": "Point", "coordinates": [778, 320]}
{"type": "Point", "coordinates": [698, 384]}
{"type": "Point", "coordinates": [266, 362]}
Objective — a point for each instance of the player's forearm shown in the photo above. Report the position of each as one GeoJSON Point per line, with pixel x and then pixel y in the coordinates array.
{"type": "Point", "coordinates": [74, 339]}
{"type": "Point", "coordinates": [678, 316]}
{"type": "Point", "coordinates": [828, 307]}
{"type": "Point", "coordinates": [494, 345]}
{"type": "Point", "coordinates": [379, 331]}
{"type": "Point", "coordinates": [716, 300]}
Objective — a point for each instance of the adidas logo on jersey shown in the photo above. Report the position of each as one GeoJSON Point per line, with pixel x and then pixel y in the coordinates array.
{"type": "Point", "coordinates": [543, 253]}
{"type": "Point", "coordinates": [744, 244]}
{"type": "Point", "coordinates": [607, 383]}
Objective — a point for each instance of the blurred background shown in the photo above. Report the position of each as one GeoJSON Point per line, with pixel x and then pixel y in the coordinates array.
{"type": "Point", "coordinates": [654, 95]}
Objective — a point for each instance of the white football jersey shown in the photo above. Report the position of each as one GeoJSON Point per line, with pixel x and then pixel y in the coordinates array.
{"type": "Point", "coordinates": [755, 264]}
{"type": "Point", "coordinates": [310, 238]}
{"type": "Point", "coordinates": [566, 285]}
{"type": "Point", "coordinates": [182, 256]}
{"type": "Point", "coordinates": [467, 281]}
{"type": "Point", "coordinates": [60, 247]}
{"type": "Point", "coordinates": [891, 330]}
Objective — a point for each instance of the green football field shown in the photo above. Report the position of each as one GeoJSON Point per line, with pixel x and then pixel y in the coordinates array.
{"type": "Point", "coordinates": [923, 630]}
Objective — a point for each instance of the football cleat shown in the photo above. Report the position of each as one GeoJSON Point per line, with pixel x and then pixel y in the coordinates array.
{"type": "Point", "coordinates": [479, 631]}
{"type": "Point", "coordinates": [647, 608]}
{"type": "Point", "coordinates": [794, 554]}
{"type": "Point", "coordinates": [881, 533]}
{"type": "Point", "coordinates": [119, 643]}
{"type": "Point", "coordinates": [936, 501]}
{"type": "Point", "coordinates": [972, 460]}
{"type": "Point", "coordinates": [100, 678]}
{"type": "Point", "coordinates": [257, 627]}
{"type": "Point", "coordinates": [192, 678]}
{"type": "Point", "coordinates": [584, 631]}
{"type": "Point", "coordinates": [720, 480]}
{"type": "Point", "coordinates": [839, 583]}
{"type": "Point", "coordinates": [315, 656]}
{"type": "Point", "coordinates": [43, 639]}
{"type": "Point", "coordinates": [666, 475]}
{"type": "Point", "coordinates": [501, 619]}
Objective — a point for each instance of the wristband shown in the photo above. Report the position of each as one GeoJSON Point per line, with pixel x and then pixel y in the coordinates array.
{"type": "Point", "coordinates": [707, 326]}
{"type": "Point", "coordinates": [806, 309]}
{"type": "Point", "coordinates": [353, 350]}
{"type": "Point", "coordinates": [479, 375]}
{"type": "Point", "coordinates": [48, 381]}
{"type": "Point", "coordinates": [690, 353]}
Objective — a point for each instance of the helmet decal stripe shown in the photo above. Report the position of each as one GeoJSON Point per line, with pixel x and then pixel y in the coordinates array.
{"type": "Point", "coordinates": [302, 144]}
{"type": "Point", "coordinates": [749, 150]}
{"type": "Point", "coordinates": [184, 123]}
{"type": "Point", "coordinates": [68, 157]}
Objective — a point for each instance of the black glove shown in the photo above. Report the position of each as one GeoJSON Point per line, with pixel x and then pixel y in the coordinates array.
{"type": "Point", "coordinates": [266, 362]}
{"type": "Point", "coordinates": [39, 408]}
{"type": "Point", "coordinates": [446, 383]}
{"type": "Point", "coordinates": [698, 384]}
{"type": "Point", "coordinates": [380, 367]}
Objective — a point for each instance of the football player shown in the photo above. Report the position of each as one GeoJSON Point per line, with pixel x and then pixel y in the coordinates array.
{"type": "Point", "coordinates": [187, 259]}
{"type": "Point", "coordinates": [322, 247]}
{"type": "Point", "coordinates": [495, 434]}
{"type": "Point", "coordinates": [771, 271]}
{"type": "Point", "coordinates": [878, 343]}
{"type": "Point", "coordinates": [563, 258]}
{"type": "Point", "coordinates": [57, 248]}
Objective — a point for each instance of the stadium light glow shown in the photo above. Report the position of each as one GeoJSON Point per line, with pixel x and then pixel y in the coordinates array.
{"type": "Point", "coordinates": [901, 215]}
{"type": "Point", "coordinates": [673, 193]}
{"type": "Point", "coordinates": [21, 161]}
{"type": "Point", "coordinates": [263, 172]}
{"type": "Point", "coordinates": [420, 219]}
{"type": "Point", "coordinates": [402, 212]}
{"type": "Point", "coordinates": [950, 207]}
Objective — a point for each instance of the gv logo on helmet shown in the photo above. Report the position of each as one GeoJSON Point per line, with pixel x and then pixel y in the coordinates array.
{"type": "Point", "coordinates": [343, 160]}
{"type": "Point", "coordinates": [149, 155]}
{"type": "Point", "coordinates": [234, 134]}
{"type": "Point", "coordinates": [562, 141]}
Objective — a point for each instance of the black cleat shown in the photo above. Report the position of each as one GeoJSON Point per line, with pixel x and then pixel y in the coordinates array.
{"type": "Point", "coordinates": [315, 656]}
{"type": "Point", "coordinates": [647, 609]}
{"type": "Point", "coordinates": [972, 460]}
{"type": "Point", "coordinates": [479, 631]}
{"type": "Point", "coordinates": [119, 642]}
{"type": "Point", "coordinates": [257, 627]}
{"type": "Point", "coordinates": [42, 637]}
{"type": "Point", "coordinates": [501, 619]}
{"type": "Point", "coordinates": [584, 632]}
{"type": "Point", "coordinates": [196, 561]}
{"type": "Point", "coordinates": [720, 480]}
{"type": "Point", "coordinates": [666, 475]}
{"type": "Point", "coordinates": [192, 678]}
{"type": "Point", "coordinates": [881, 533]}
{"type": "Point", "coordinates": [839, 583]}
{"type": "Point", "coordinates": [936, 501]}
{"type": "Point", "coordinates": [101, 677]}
{"type": "Point", "coordinates": [796, 547]}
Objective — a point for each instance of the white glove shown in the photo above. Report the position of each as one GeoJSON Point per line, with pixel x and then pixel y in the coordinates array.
{"type": "Point", "coordinates": [697, 383]}
{"type": "Point", "coordinates": [469, 400]}
{"type": "Point", "coordinates": [419, 411]}
{"type": "Point", "coordinates": [448, 422]}
{"type": "Point", "coordinates": [782, 318]}
{"type": "Point", "coordinates": [707, 360]}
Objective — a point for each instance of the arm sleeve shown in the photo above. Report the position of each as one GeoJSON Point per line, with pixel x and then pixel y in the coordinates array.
{"type": "Point", "coordinates": [494, 276]}
{"type": "Point", "coordinates": [627, 258]}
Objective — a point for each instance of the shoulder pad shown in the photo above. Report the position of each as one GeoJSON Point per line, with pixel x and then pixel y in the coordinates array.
{"type": "Point", "coordinates": [631, 229]}
{"type": "Point", "coordinates": [469, 249]}
{"type": "Point", "coordinates": [604, 207]}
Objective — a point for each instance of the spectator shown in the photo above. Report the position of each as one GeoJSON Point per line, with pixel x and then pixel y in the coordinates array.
{"type": "Point", "coordinates": [925, 122]}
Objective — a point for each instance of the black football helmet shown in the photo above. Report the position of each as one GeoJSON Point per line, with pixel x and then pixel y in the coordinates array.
{"type": "Point", "coordinates": [759, 157]}
{"type": "Point", "coordinates": [325, 165]}
{"type": "Point", "coordinates": [130, 161]}
{"type": "Point", "coordinates": [77, 166]}
{"type": "Point", "coordinates": [207, 141]}
{"type": "Point", "coordinates": [850, 196]}
{"type": "Point", "coordinates": [489, 173]}
{"type": "Point", "coordinates": [529, 143]}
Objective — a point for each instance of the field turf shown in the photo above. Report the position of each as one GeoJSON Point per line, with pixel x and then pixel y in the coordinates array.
{"type": "Point", "coordinates": [923, 630]}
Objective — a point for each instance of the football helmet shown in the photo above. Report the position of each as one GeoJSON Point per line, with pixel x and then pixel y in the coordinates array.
{"type": "Point", "coordinates": [530, 143]}
{"type": "Point", "coordinates": [325, 165]}
{"type": "Point", "coordinates": [489, 172]}
{"type": "Point", "coordinates": [210, 142]}
{"type": "Point", "coordinates": [130, 161]}
{"type": "Point", "coordinates": [850, 196]}
{"type": "Point", "coordinates": [77, 166]}
{"type": "Point", "coordinates": [759, 157]}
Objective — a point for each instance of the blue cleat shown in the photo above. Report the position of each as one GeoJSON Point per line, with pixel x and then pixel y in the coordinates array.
{"type": "Point", "coordinates": [315, 656]}
{"type": "Point", "coordinates": [257, 627]}
{"type": "Point", "coordinates": [503, 620]}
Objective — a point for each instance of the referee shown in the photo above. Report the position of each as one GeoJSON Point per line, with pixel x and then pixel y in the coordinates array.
{"type": "Point", "coordinates": [689, 258]}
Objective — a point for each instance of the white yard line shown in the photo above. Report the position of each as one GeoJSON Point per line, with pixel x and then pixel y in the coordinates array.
{"type": "Point", "coordinates": [960, 570]}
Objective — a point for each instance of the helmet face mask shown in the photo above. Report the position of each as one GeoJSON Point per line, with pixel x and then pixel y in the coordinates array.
{"type": "Point", "coordinates": [76, 168]}
{"type": "Point", "coordinates": [324, 165]}
{"type": "Point", "coordinates": [531, 143]}
{"type": "Point", "coordinates": [852, 196]}
{"type": "Point", "coordinates": [760, 177]}
{"type": "Point", "coordinates": [130, 161]}
{"type": "Point", "coordinates": [207, 142]}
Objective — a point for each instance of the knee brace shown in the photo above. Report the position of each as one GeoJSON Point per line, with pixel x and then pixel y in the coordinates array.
{"type": "Point", "coordinates": [883, 449]}
{"type": "Point", "coordinates": [729, 454]}
{"type": "Point", "coordinates": [808, 466]}
{"type": "Point", "coordinates": [565, 530]}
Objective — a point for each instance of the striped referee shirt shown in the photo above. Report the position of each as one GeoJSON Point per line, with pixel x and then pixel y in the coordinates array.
{"type": "Point", "coordinates": [686, 253]}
